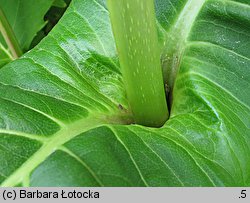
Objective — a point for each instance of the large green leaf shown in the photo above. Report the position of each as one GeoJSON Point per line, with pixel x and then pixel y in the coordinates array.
{"type": "Point", "coordinates": [63, 107]}
{"type": "Point", "coordinates": [25, 18]}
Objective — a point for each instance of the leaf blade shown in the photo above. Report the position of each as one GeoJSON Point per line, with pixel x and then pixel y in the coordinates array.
{"type": "Point", "coordinates": [204, 143]}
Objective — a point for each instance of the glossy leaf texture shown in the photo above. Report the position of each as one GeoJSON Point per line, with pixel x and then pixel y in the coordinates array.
{"type": "Point", "coordinates": [64, 112]}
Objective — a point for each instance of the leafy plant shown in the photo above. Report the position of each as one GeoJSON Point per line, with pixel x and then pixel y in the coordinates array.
{"type": "Point", "coordinates": [19, 24]}
{"type": "Point", "coordinates": [65, 118]}
{"type": "Point", "coordinates": [51, 17]}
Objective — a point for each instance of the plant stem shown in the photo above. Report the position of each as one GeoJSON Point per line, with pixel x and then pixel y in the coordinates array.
{"type": "Point", "coordinates": [134, 27]}
{"type": "Point", "coordinates": [175, 43]}
{"type": "Point", "coordinates": [9, 36]}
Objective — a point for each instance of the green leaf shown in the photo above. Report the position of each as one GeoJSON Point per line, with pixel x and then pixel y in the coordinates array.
{"type": "Point", "coordinates": [52, 17]}
{"type": "Point", "coordinates": [64, 112]}
{"type": "Point", "coordinates": [24, 18]}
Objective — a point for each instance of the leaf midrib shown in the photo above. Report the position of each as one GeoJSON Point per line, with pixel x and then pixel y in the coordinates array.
{"type": "Point", "coordinates": [62, 136]}
{"type": "Point", "coordinates": [72, 130]}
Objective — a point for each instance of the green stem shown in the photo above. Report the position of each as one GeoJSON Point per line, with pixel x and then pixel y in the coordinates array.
{"type": "Point", "coordinates": [175, 43]}
{"type": "Point", "coordinates": [9, 36]}
{"type": "Point", "coordinates": [134, 27]}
